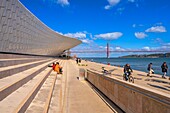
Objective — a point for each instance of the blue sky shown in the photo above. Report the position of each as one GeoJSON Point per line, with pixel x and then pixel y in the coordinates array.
{"type": "Point", "coordinates": [125, 24]}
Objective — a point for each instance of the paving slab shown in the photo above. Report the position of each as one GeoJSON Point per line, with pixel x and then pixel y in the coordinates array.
{"type": "Point", "coordinates": [78, 96]}
{"type": "Point", "coordinates": [156, 82]}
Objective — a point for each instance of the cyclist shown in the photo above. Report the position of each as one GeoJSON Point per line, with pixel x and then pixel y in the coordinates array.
{"type": "Point", "coordinates": [105, 71]}
{"type": "Point", "coordinates": [127, 71]}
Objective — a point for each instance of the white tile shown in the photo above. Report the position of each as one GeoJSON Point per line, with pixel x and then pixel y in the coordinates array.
{"type": "Point", "coordinates": [3, 3]}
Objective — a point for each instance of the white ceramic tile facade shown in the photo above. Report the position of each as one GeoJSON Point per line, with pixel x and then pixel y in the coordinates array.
{"type": "Point", "coordinates": [22, 32]}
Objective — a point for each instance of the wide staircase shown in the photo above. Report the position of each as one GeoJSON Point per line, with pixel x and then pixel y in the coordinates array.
{"type": "Point", "coordinates": [26, 83]}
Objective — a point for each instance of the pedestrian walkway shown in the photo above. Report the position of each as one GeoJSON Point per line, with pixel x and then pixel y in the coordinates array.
{"type": "Point", "coordinates": [79, 97]}
{"type": "Point", "coordinates": [156, 82]}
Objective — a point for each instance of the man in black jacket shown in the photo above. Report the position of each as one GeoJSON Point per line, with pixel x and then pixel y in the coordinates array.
{"type": "Point", "coordinates": [164, 69]}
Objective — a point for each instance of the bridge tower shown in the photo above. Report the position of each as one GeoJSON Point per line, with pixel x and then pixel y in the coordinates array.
{"type": "Point", "coordinates": [107, 52]}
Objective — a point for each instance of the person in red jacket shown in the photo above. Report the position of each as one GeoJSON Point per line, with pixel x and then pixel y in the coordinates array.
{"type": "Point", "coordinates": [53, 66]}
{"type": "Point", "coordinates": [58, 68]}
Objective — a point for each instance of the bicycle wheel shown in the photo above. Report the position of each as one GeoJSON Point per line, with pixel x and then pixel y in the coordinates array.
{"type": "Point", "coordinates": [131, 79]}
{"type": "Point", "coordinates": [124, 77]}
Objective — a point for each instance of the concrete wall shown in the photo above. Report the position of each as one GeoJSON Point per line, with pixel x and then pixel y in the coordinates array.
{"type": "Point", "coordinates": [22, 32]}
{"type": "Point", "coordinates": [130, 97]}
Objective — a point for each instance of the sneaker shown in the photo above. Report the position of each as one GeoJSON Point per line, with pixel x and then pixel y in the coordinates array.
{"type": "Point", "coordinates": [163, 77]}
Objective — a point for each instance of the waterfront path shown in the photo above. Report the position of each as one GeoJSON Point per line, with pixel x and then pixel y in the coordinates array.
{"type": "Point", "coordinates": [156, 82]}
{"type": "Point", "coordinates": [75, 96]}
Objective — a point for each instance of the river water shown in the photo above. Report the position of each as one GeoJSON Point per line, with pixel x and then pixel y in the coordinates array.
{"type": "Point", "coordinates": [136, 63]}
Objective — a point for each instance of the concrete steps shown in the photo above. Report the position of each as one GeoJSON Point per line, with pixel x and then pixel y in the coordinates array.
{"type": "Point", "coordinates": [11, 83]}
{"type": "Point", "coordinates": [11, 56]}
{"type": "Point", "coordinates": [42, 100]}
{"type": "Point", "coordinates": [20, 99]}
{"type": "Point", "coordinates": [11, 62]}
{"type": "Point", "coordinates": [10, 70]}
{"type": "Point", "coordinates": [58, 93]}
{"type": "Point", "coordinates": [27, 84]}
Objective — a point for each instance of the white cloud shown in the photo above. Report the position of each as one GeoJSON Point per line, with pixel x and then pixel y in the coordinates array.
{"type": "Point", "coordinates": [156, 29]}
{"type": "Point", "coordinates": [109, 36]}
{"type": "Point", "coordinates": [107, 7]}
{"type": "Point", "coordinates": [63, 2]}
{"type": "Point", "coordinates": [87, 41]}
{"type": "Point", "coordinates": [131, 1]}
{"type": "Point", "coordinates": [137, 25]}
{"type": "Point", "coordinates": [120, 10]}
{"type": "Point", "coordinates": [59, 33]}
{"type": "Point", "coordinates": [134, 25]}
{"type": "Point", "coordinates": [117, 48]}
{"type": "Point", "coordinates": [140, 35]}
{"type": "Point", "coordinates": [166, 44]}
{"type": "Point", "coordinates": [101, 47]}
{"type": "Point", "coordinates": [157, 40]}
{"type": "Point", "coordinates": [79, 35]}
{"type": "Point", "coordinates": [159, 23]}
{"type": "Point", "coordinates": [111, 4]}
{"type": "Point", "coordinates": [146, 48]}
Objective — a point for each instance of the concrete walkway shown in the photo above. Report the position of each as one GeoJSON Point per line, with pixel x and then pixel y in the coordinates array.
{"type": "Point", "coordinates": [156, 82]}
{"type": "Point", "coordinates": [79, 97]}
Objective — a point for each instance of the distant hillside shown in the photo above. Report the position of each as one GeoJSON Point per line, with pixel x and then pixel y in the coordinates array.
{"type": "Point", "coordinates": [160, 55]}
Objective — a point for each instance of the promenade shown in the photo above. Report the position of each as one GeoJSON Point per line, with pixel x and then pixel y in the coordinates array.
{"type": "Point", "coordinates": [75, 96]}
{"type": "Point", "coordinates": [156, 82]}
{"type": "Point", "coordinates": [29, 85]}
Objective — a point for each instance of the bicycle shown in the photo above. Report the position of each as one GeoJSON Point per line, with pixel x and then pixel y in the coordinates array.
{"type": "Point", "coordinates": [129, 78]}
{"type": "Point", "coordinates": [105, 72]}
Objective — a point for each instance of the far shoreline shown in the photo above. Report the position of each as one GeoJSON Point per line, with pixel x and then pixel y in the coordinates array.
{"type": "Point", "coordinates": [139, 64]}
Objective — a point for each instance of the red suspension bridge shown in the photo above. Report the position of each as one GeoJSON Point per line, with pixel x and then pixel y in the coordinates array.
{"type": "Point", "coordinates": [108, 51]}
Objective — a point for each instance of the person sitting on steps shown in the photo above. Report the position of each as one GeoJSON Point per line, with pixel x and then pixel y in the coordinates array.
{"type": "Point", "coordinates": [58, 68]}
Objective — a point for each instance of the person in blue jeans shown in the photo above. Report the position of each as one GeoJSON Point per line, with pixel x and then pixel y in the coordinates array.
{"type": "Point", "coordinates": [127, 71]}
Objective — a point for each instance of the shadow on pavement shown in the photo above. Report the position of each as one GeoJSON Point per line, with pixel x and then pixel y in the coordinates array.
{"type": "Point", "coordinates": [159, 81]}
{"type": "Point", "coordinates": [160, 87]}
{"type": "Point", "coordinates": [137, 78]}
{"type": "Point", "coordinates": [117, 75]}
{"type": "Point", "coordinates": [141, 75]}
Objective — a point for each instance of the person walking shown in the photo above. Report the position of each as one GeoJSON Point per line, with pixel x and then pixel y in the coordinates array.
{"type": "Point", "coordinates": [150, 70]}
{"type": "Point", "coordinates": [77, 60]}
{"type": "Point", "coordinates": [164, 69]}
